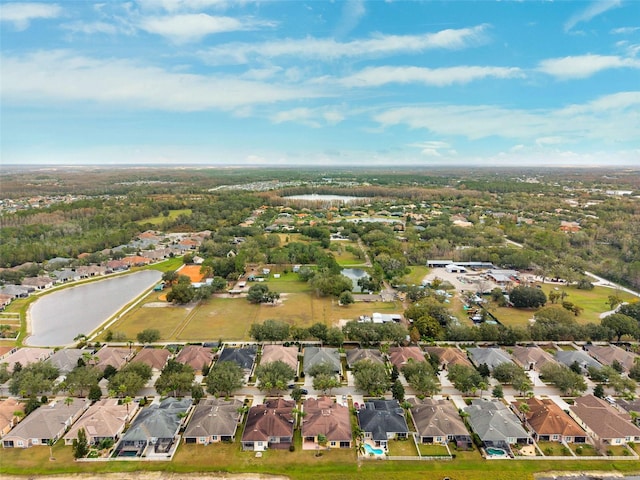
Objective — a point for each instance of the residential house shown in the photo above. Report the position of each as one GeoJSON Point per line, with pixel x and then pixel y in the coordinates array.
{"type": "Point", "coordinates": [26, 355]}
{"type": "Point", "coordinates": [569, 357]}
{"type": "Point", "coordinates": [356, 355]}
{"type": "Point", "coordinates": [609, 354]}
{"type": "Point", "coordinates": [156, 358]}
{"type": "Point", "coordinates": [316, 355]}
{"type": "Point", "coordinates": [66, 359]}
{"type": "Point", "coordinates": [607, 424]}
{"type": "Point", "coordinates": [288, 355]}
{"type": "Point", "coordinates": [155, 426]}
{"type": "Point", "coordinates": [531, 358]}
{"type": "Point", "coordinates": [549, 423]}
{"type": "Point", "coordinates": [325, 423]}
{"type": "Point", "coordinates": [16, 291]}
{"type": "Point", "coordinates": [449, 356]}
{"type": "Point", "coordinates": [244, 357]}
{"type": "Point", "coordinates": [269, 425]}
{"type": "Point", "coordinates": [197, 356]}
{"type": "Point", "coordinates": [399, 356]}
{"type": "Point", "coordinates": [8, 417]}
{"type": "Point", "coordinates": [39, 283]}
{"type": "Point", "coordinates": [438, 421]}
{"type": "Point", "coordinates": [5, 300]}
{"type": "Point", "coordinates": [492, 357]}
{"type": "Point", "coordinates": [114, 356]}
{"type": "Point", "coordinates": [65, 275]}
{"type": "Point", "coordinates": [214, 420]}
{"type": "Point", "coordinates": [381, 421]}
{"type": "Point", "coordinates": [136, 261]}
{"type": "Point", "coordinates": [104, 420]}
{"type": "Point", "coordinates": [633, 407]}
{"type": "Point", "coordinates": [116, 266]}
{"type": "Point", "coordinates": [45, 424]}
{"type": "Point", "coordinates": [495, 424]}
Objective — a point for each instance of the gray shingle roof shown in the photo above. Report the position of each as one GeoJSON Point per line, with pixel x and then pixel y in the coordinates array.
{"type": "Point", "coordinates": [214, 416]}
{"type": "Point", "coordinates": [492, 357]}
{"type": "Point", "coordinates": [244, 356]}
{"type": "Point", "coordinates": [381, 417]}
{"type": "Point", "coordinates": [316, 355]}
{"type": "Point", "coordinates": [158, 421]}
{"type": "Point", "coordinates": [493, 421]}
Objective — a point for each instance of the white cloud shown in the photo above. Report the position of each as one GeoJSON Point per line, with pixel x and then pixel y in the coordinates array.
{"type": "Point", "coordinates": [311, 117]}
{"type": "Point", "coordinates": [21, 14]}
{"type": "Point", "coordinates": [611, 118]}
{"type": "Point", "coordinates": [61, 76]}
{"type": "Point", "coordinates": [327, 49]}
{"type": "Point", "coordinates": [440, 77]}
{"type": "Point", "coordinates": [624, 30]}
{"type": "Point", "coordinates": [92, 28]}
{"type": "Point", "coordinates": [192, 27]}
{"type": "Point", "coordinates": [352, 13]}
{"type": "Point", "coordinates": [432, 148]}
{"type": "Point", "coordinates": [184, 5]}
{"type": "Point", "coordinates": [583, 66]}
{"type": "Point", "coordinates": [596, 8]}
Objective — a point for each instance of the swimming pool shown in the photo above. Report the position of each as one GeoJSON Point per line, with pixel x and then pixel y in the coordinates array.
{"type": "Point", "coordinates": [495, 451]}
{"type": "Point", "coordinates": [373, 451]}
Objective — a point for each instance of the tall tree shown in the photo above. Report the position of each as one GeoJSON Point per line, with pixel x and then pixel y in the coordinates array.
{"type": "Point", "coordinates": [371, 378]}
{"type": "Point", "coordinates": [224, 378]}
{"type": "Point", "coordinates": [274, 376]}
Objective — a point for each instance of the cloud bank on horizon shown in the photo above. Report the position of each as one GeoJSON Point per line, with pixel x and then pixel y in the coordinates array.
{"type": "Point", "coordinates": [320, 83]}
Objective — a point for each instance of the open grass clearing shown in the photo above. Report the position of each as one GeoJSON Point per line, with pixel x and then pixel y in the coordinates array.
{"type": "Point", "coordinates": [298, 465]}
{"type": "Point", "coordinates": [160, 219]}
{"type": "Point", "coordinates": [554, 449]}
{"type": "Point", "coordinates": [416, 275]}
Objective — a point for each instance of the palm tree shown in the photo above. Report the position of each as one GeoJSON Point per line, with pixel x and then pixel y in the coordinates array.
{"type": "Point", "coordinates": [482, 386]}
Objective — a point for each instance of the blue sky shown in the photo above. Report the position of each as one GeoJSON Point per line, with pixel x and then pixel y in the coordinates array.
{"type": "Point", "coordinates": [320, 83]}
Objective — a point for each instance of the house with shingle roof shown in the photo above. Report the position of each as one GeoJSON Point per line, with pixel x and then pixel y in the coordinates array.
{"type": "Point", "coordinates": [492, 357]}
{"type": "Point", "coordinates": [531, 358]}
{"type": "Point", "coordinates": [244, 357]}
{"type": "Point", "coordinates": [16, 291]}
{"type": "Point", "coordinates": [66, 359]}
{"type": "Point", "coordinates": [195, 355]}
{"type": "Point", "coordinates": [39, 283]}
{"type": "Point", "coordinates": [382, 420]}
{"type": "Point", "coordinates": [495, 424]}
{"type": "Point", "coordinates": [213, 420]}
{"type": "Point", "coordinates": [316, 355]}
{"type": "Point", "coordinates": [26, 356]}
{"type": "Point", "coordinates": [449, 356]}
{"type": "Point", "coordinates": [356, 355]}
{"type": "Point", "coordinates": [269, 425]}
{"type": "Point", "coordinates": [288, 355]}
{"type": "Point", "coordinates": [8, 419]}
{"type": "Point", "coordinates": [155, 426]}
{"type": "Point", "coordinates": [400, 356]}
{"type": "Point", "coordinates": [104, 420]}
{"type": "Point", "coordinates": [607, 424]}
{"type": "Point", "coordinates": [45, 424]}
{"type": "Point", "coordinates": [549, 423]}
{"type": "Point", "coordinates": [569, 357]}
{"type": "Point", "coordinates": [438, 421]}
{"type": "Point", "coordinates": [156, 358]}
{"type": "Point", "coordinates": [325, 417]}
{"type": "Point", "coordinates": [608, 354]}
{"type": "Point", "coordinates": [114, 356]}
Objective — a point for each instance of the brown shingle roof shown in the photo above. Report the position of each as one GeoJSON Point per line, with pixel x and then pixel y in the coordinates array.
{"type": "Point", "coordinates": [547, 418]}
{"type": "Point", "coordinates": [449, 355]}
{"type": "Point", "coordinates": [526, 356]}
{"type": "Point", "coordinates": [274, 418]}
{"type": "Point", "coordinates": [288, 355]}
{"type": "Point", "coordinates": [436, 418]}
{"type": "Point", "coordinates": [607, 354]}
{"type": "Point", "coordinates": [156, 358]}
{"type": "Point", "coordinates": [399, 356]}
{"type": "Point", "coordinates": [328, 418]}
{"type": "Point", "coordinates": [196, 356]}
{"type": "Point", "coordinates": [603, 419]}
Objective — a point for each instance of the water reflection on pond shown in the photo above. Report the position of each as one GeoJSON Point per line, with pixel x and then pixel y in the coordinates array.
{"type": "Point", "coordinates": [60, 316]}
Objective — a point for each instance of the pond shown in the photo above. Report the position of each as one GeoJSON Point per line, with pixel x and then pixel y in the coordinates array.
{"type": "Point", "coordinates": [313, 197]}
{"type": "Point", "coordinates": [354, 274]}
{"type": "Point", "coordinates": [57, 318]}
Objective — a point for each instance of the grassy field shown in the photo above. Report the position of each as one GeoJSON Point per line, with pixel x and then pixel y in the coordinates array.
{"type": "Point", "coordinates": [416, 275]}
{"type": "Point", "coordinates": [342, 256]}
{"type": "Point", "coordinates": [159, 219]}
{"type": "Point", "coordinates": [300, 465]}
{"type": "Point", "coordinates": [594, 302]}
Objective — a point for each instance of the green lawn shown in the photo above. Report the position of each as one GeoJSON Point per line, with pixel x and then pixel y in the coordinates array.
{"type": "Point", "coordinates": [432, 450]}
{"type": "Point", "coordinates": [554, 449]}
{"type": "Point", "coordinates": [402, 448]}
{"type": "Point", "coordinates": [342, 256]}
{"type": "Point", "coordinates": [416, 275]}
{"type": "Point", "coordinates": [298, 465]}
{"type": "Point", "coordinates": [594, 302]}
{"type": "Point", "coordinates": [159, 219]}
